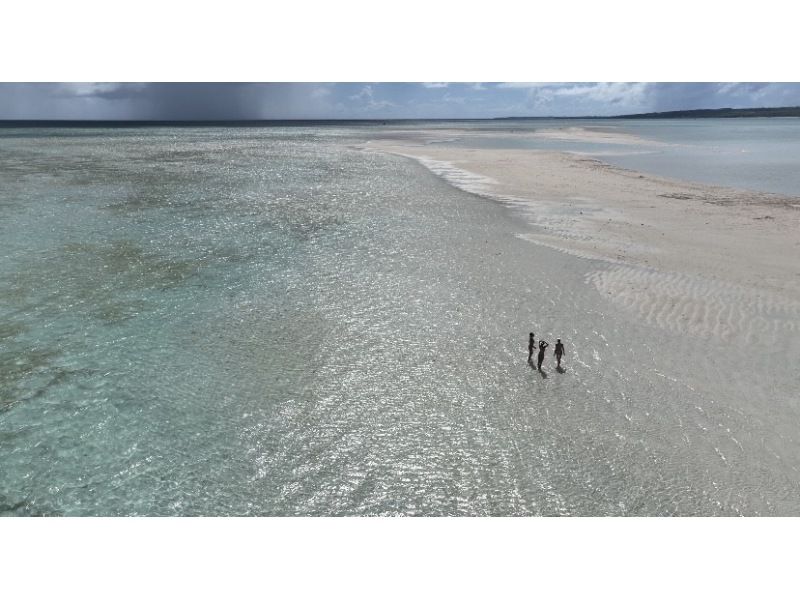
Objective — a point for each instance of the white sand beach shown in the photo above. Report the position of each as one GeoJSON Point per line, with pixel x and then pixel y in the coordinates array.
{"type": "Point", "coordinates": [689, 256]}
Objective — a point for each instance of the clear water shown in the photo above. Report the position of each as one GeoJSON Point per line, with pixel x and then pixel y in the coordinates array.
{"type": "Point", "coordinates": [272, 322]}
{"type": "Point", "coordinates": [760, 154]}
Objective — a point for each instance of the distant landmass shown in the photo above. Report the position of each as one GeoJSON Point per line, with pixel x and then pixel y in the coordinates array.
{"type": "Point", "coordinates": [719, 113]}
{"type": "Point", "coordinates": [705, 113]}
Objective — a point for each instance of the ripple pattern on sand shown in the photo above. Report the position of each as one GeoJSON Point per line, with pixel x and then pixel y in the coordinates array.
{"type": "Point", "coordinates": [687, 304]}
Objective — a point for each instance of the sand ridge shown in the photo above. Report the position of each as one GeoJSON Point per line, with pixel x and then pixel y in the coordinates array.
{"type": "Point", "coordinates": [594, 135]}
{"type": "Point", "coordinates": [690, 257]}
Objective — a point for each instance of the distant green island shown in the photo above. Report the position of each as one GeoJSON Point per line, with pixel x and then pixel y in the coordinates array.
{"type": "Point", "coordinates": [704, 113]}
{"type": "Point", "coordinates": [719, 113]}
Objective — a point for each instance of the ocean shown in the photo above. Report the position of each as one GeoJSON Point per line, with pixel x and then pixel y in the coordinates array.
{"type": "Point", "coordinates": [272, 321]}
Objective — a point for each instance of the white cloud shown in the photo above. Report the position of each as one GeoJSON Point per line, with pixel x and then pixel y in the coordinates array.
{"type": "Point", "coordinates": [320, 92]}
{"type": "Point", "coordinates": [99, 89]}
{"type": "Point", "coordinates": [518, 85]}
{"type": "Point", "coordinates": [587, 98]}
{"type": "Point", "coordinates": [451, 99]}
{"type": "Point", "coordinates": [368, 102]}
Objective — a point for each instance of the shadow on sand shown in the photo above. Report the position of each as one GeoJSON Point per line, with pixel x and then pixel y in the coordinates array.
{"type": "Point", "coordinates": [561, 369]}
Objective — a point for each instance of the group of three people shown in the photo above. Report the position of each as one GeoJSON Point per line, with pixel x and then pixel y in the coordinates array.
{"type": "Point", "coordinates": [559, 352]}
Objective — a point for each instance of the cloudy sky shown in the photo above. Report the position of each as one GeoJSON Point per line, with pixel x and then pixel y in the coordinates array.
{"type": "Point", "coordinates": [190, 101]}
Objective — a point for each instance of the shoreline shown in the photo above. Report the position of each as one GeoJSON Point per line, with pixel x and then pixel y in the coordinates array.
{"type": "Point", "coordinates": [691, 257]}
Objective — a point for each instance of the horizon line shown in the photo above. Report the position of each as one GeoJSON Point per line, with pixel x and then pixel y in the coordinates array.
{"type": "Point", "coordinates": [688, 113]}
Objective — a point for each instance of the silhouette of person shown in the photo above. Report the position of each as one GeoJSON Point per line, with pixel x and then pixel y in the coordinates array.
{"type": "Point", "coordinates": [559, 351]}
{"type": "Point", "coordinates": [531, 347]}
{"type": "Point", "coordinates": [542, 346]}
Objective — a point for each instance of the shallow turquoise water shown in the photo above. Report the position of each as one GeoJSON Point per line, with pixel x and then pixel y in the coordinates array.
{"type": "Point", "coordinates": [271, 322]}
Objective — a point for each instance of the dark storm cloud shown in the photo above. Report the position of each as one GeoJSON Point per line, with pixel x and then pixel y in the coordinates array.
{"type": "Point", "coordinates": [193, 101]}
{"type": "Point", "coordinates": [223, 101]}
{"type": "Point", "coordinates": [161, 101]}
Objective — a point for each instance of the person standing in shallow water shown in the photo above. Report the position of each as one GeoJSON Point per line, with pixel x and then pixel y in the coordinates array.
{"type": "Point", "coordinates": [542, 346]}
{"type": "Point", "coordinates": [531, 347]}
{"type": "Point", "coordinates": [559, 352]}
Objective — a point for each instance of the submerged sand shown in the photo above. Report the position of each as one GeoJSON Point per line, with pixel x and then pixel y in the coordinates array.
{"type": "Point", "coordinates": [685, 256]}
